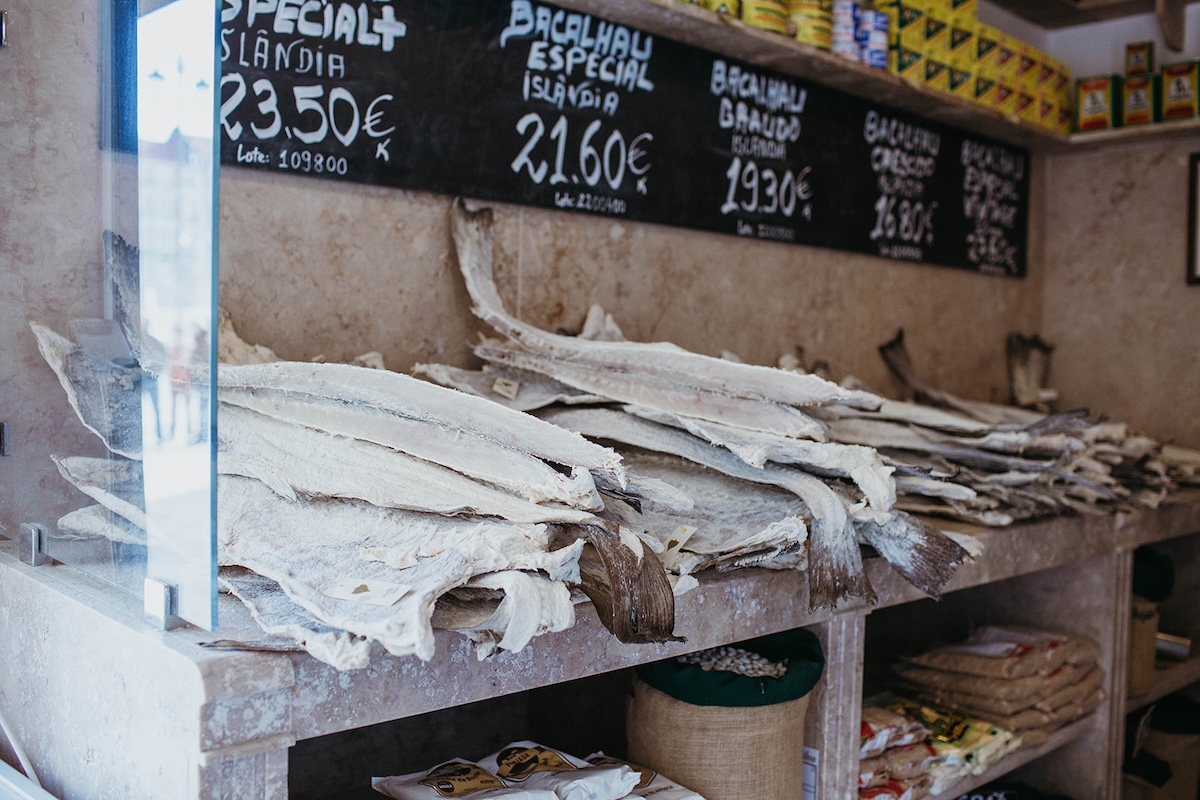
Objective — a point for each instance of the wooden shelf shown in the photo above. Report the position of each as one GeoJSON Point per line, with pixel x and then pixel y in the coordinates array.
{"type": "Point", "coordinates": [1059, 738]}
{"type": "Point", "coordinates": [1171, 677]}
{"type": "Point", "coordinates": [1156, 132]}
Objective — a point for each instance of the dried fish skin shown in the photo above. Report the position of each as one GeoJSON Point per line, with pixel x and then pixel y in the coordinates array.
{"type": "Point", "coordinates": [652, 391]}
{"type": "Point", "coordinates": [631, 592]}
{"type": "Point", "coordinates": [530, 390]}
{"type": "Point", "coordinates": [279, 615]}
{"type": "Point", "coordinates": [923, 555]}
{"type": "Point", "coordinates": [858, 463]}
{"type": "Point", "coordinates": [478, 457]}
{"type": "Point", "coordinates": [399, 395]}
{"type": "Point", "coordinates": [505, 610]}
{"type": "Point", "coordinates": [835, 565]}
{"type": "Point", "coordinates": [106, 397]}
{"type": "Point", "coordinates": [472, 233]}
{"type": "Point", "coordinates": [279, 454]}
{"type": "Point", "coordinates": [306, 546]}
{"type": "Point", "coordinates": [115, 484]}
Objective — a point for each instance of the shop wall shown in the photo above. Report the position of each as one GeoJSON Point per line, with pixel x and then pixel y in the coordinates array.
{"type": "Point", "coordinates": [51, 255]}
{"type": "Point", "coordinates": [1117, 308]}
{"type": "Point", "coordinates": [314, 268]}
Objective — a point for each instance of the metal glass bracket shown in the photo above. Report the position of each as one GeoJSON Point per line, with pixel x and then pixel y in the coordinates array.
{"type": "Point", "coordinates": [31, 544]}
{"type": "Point", "coordinates": [159, 604]}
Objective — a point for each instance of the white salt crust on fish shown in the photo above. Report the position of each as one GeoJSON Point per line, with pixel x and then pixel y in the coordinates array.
{"type": "Point", "coordinates": [400, 395]}
{"type": "Point", "coordinates": [511, 608]}
{"type": "Point", "coordinates": [479, 457]}
{"type": "Point", "coordinates": [308, 546]}
{"type": "Point", "coordinates": [835, 565]}
{"type": "Point", "coordinates": [530, 390]}
{"type": "Point", "coordinates": [280, 453]}
{"type": "Point", "coordinates": [472, 235]}
{"type": "Point", "coordinates": [278, 615]}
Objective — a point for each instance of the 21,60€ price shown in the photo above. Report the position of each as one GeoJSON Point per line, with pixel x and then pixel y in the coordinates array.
{"type": "Point", "coordinates": [595, 157]}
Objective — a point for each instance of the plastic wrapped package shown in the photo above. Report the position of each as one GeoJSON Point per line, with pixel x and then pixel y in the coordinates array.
{"type": "Point", "coordinates": [534, 766]}
{"type": "Point", "coordinates": [455, 778]}
{"type": "Point", "coordinates": [650, 783]}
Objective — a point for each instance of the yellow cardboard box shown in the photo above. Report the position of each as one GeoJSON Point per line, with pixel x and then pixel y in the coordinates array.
{"type": "Point", "coordinates": [937, 74]}
{"type": "Point", "coordinates": [1029, 67]}
{"type": "Point", "coordinates": [1008, 58]}
{"type": "Point", "coordinates": [907, 63]}
{"type": "Point", "coordinates": [962, 46]}
{"type": "Point", "coordinates": [987, 49]}
{"type": "Point", "coordinates": [1096, 109]}
{"type": "Point", "coordinates": [1006, 97]}
{"type": "Point", "coordinates": [961, 82]}
{"type": "Point", "coordinates": [1179, 90]}
{"type": "Point", "coordinates": [985, 90]}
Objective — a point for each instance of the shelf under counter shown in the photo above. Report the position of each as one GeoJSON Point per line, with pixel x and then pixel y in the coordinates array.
{"type": "Point", "coordinates": [1169, 677]}
{"type": "Point", "coordinates": [1020, 758]}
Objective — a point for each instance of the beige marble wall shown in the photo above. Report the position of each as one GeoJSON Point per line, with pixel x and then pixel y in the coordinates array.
{"type": "Point", "coordinates": [311, 267]}
{"type": "Point", "coordinates": [1125, 324]}
{"type": "Point", "coordinates": [51, 216]}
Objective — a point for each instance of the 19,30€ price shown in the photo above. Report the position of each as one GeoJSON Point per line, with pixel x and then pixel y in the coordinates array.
{"type": "Point", "coordinates": [756, 190]}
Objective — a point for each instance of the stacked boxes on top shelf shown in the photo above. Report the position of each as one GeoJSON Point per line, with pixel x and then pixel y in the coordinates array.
{"type": "Point", "coordinates": [942, 44]}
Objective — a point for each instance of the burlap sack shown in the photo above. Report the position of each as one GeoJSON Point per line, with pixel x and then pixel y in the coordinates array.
{"type": "Point", "coordinates": [722, 753]}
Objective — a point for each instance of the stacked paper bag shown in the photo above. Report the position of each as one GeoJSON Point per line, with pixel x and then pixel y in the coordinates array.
{"type": "Point", "coordinates": [894, 756]}
{"type": "Point", "coordinates": [1026, 681]}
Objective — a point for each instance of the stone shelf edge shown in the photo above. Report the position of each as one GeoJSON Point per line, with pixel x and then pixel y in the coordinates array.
{"type": "Point", "coordinates": [1171, 678]}
{"type": "Point", "coordinates": [693, 25]}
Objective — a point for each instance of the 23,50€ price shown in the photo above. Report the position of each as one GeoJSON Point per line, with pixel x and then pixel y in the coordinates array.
{"type": "Point", "coordinates": [755, 190]}
{"type": "Point", "coordinates": [313, 114]}
{"type": "Point", "coordinates": [595, 158]}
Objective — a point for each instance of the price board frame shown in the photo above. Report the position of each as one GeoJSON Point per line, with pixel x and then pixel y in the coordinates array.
{"type": "Point", "coordinates": [526, 102]}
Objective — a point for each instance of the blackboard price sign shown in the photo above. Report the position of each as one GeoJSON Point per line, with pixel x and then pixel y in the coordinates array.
{"type": "Point", "coordinates": [526, 102]}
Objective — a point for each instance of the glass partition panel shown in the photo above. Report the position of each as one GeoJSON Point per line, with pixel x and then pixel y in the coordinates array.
{"type": "Point", "coordinates": [107, 232]}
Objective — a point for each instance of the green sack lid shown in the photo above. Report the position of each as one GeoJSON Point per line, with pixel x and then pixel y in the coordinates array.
{"type": "Point", "coordinates": [692, 684]}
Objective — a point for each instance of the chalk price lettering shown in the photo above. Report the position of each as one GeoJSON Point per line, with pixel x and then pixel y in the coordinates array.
{"type": "Point", "coordinates": [756, 190]}
{"type": "Point", "coordinates": [616, 162]}
{"type": "Point", "coordinates": [313, 113]}
{"type": "Point", "coordinates": [905, 221]}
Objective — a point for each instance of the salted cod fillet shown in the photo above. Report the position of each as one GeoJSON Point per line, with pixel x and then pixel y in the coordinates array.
{"type": "Point", "coordinates": [834, 563]}
{"type": "Point", "coordinates": [280, 453]}
{"type": "Point", "coordinates": [278, 615]}
{"type": "Point", "coordinates": [505, 610]}
{"type": "Point", "coordinates": [116, 485]}
{"type": "Point", "coordinates": [468, 434]}
{"type": "Point", "coordinates": [306, 546]}
{"type": "Point", "coordinates": [472, 233]}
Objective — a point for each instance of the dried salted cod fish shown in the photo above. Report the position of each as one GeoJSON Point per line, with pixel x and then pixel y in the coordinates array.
{"type": "Point", "coordinates": [278, 615]}
{"type": "Point", "coordinates": [1028, 359]}
{"type": "Point", "coordinates": [469, 434]}
{"type": "Point", "coordinates": [313, 548]}
{"type": "Point", "coordinates": [505, 610]}
{"type": "Point", "coordinates": [860, 464]}
{"type": "Point", "coordinates": [923, 555]}
{"type": "Point", "coordinates": [733, 523]}
{"type": "Point", "coordinates": [472, 232]}
{"type": "Point", "coordinates": [835, 565]}
{"type": "Point", "coordinates": [280, 454]}
{"type": "Point", "coordinates": [106, 397]}
{"type": "Point", "coordinates": [922, 416]}
{"type": "Point", "coordinates": [599, 326]}
{"type": "Point", "coordinates": [651, 391]}
{"type": "Point", "coordinates": [930, 487]}
{"type": "Point", "coordinates": [896, 356]}
{"type": "Point", "coordinates": [516, 388]}
{"type": "Point", "coordinates": [92, 521]}
{"type": "Point", "coordinates": [114, 484]}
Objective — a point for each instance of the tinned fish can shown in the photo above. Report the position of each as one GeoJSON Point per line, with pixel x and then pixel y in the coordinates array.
{"type": "Point", "coordinates": [848, 50]}
{"type": "Point", "coordinates": [846, 11]}
{"type": "Point", "coordinates": [813, 29]}
{"type": "Point", "coordinates": [873, 39]}
{"type": "Point", "coordinates": [1139, 103]}
{"type": "Point", "coordinates": [770, 15]}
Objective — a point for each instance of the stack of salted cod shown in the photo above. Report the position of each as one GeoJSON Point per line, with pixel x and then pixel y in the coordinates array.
{"type": "Point", "coordinates": [359, 505]}
{"type": "Point", "coordinates": [720, 430]}
{"type": "Point", "coordinates": [996, 464]}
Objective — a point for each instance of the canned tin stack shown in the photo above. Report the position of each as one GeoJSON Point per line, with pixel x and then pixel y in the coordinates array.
{"type": "Point", "coordinates": [1141, 96]}
{"type": "Point", "coordinates": [812, 20]}
{"type": "Point", "coordinates": [860, 34]}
